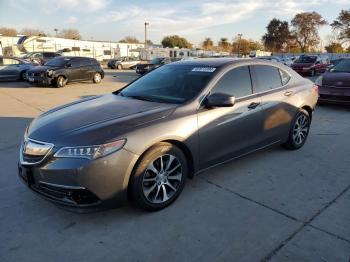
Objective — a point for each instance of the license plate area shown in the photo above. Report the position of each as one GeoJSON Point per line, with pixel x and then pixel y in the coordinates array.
{"type": "Point", "coordinates": [31, 79]}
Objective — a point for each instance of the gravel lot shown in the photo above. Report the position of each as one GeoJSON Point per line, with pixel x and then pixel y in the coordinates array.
{"type": "Point", "coordinates": [272, 205]}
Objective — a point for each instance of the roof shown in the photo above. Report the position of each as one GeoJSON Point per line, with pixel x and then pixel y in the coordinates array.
{"type": "Point", "coordinates": [208, 62]}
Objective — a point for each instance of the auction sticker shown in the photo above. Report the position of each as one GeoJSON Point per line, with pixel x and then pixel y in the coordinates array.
{"type": "Point", "coordinates": [204, 69]}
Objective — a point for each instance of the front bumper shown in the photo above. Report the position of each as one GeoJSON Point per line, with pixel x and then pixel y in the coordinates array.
{"type": "Point", "coordinates": [40, 79]}
{"type": "Point", "coordinates": [81, 183]}
{"type": "Point", "coordinates": [339, 96]}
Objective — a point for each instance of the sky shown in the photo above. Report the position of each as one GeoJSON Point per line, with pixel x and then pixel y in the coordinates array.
{"type": "Point", "coordinates": [112, 20]}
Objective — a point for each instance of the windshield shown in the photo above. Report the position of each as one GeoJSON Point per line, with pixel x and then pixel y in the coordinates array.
{"type": "Point", "coordinates": [170, 84]}
{"type": "Point", "coordinates": [155, 61]}
{"type": "Point", "coordinates": [342, 66]}
{"type": "Point", "coordinates": [57, 62]}
{"type": "Point", "coordinates": [306, 59]}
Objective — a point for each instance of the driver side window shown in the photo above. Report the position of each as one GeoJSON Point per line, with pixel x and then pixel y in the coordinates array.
{"type": "Point", "coordinates": [235, 82]}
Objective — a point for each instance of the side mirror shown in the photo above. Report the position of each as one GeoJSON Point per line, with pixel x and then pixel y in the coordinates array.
{"type": "Point", "coordinates": [220, 100]}
{"type": "Point", "coordinates": [68, 65]}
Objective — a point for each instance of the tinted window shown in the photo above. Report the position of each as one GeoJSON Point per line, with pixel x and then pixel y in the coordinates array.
{"type": "Point", "coordinates": [85, 62]}
{"type": "Point", "coordinates": [75, 62]}
{"type": "Point", "coordinates": [57, 62]}
{"type": "Point", "coordinates": [236, 83]}
{"type": "Point", "coordinates": [342, 66]}
{"type": "Point", "coordinates": [170, 84]}
{"type": "Point", "coordinates": [265, 78]}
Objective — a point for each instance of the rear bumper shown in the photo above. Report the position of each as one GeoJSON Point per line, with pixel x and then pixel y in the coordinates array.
{"type": "Point", "coordinates": [339, 96]}
{"type": "Point", "coordinates": [81, 183]}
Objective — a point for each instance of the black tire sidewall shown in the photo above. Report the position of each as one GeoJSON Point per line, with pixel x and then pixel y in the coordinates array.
{"type": "Point", "coordinates": [139, 171]}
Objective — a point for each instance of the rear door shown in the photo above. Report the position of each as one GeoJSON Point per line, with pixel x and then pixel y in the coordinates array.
{"type": "Point", "coordinates": [85, 68]}
{"type": "Point", "coordinates": [272, 85]}
{"type": "Point", "coordinates": [9, 69]}
{"type": "Point", "coordinates": [227, 132]}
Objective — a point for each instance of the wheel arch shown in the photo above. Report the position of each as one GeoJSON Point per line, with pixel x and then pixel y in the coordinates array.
{"type": "Point", "coordinates": [308, 109]}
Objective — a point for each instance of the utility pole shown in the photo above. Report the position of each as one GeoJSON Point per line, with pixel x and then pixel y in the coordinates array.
{"type": "Point", "coordinates": [56, 30]}
{"type": "Point", "coordinates": [146, 24]}
{"type": "Point", "coordinates": [239, 44]}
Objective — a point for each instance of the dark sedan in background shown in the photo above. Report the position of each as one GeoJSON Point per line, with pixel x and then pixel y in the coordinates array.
{"type": "Point", "coordinates": [12, 68]}
{"type": "Point", "coordinates": [310, 65]}
{"type": "Point", "coordinates": [62, 70]}
{"type": "Point", "coordinates": [334, 85]}
{"type": "Point", "coordinates": [144, 140]}
{"type": "Point", "coordinates": [153, 64]}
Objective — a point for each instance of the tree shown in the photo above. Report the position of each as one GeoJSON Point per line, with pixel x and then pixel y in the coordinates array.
{"type": "Point", "coordinates": [6, 31]}
{"type": "Point", "coordinates": [130, 40]}
{"type": "Point", "coordinates": [305, 29]}
{"type": "Point", "coordinates": [208, 44]}
{"type": "Point", "coordinates": [70, 34]}
{"type": "Point", "coordinates": [176, 41]}
{"type": "Point", "coordinates": [149, 42]}
{"type": "Point", "coordinates": [277, 35]}
{"type": "Point", "coordinates": [334, 48]}
{"type": "Point", "coordinates": [32, 31]}
{"type": "Point", "coordinates": [342, 25]}
{"type": "Point", "coordinates": [224, 45]}
{"type": "Point", "coordinates": [245, 46]}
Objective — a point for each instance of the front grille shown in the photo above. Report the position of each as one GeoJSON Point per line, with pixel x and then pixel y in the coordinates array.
{"type": "Point", "coordinates": [34, 152]}
{"type": "Point", "coordinates": [66, 195]}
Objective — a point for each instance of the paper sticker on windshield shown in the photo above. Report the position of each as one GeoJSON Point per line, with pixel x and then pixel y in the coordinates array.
{"type": "Point", "coordinates": [204, 69]}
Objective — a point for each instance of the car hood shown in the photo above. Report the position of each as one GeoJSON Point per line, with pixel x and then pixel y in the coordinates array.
{"type": "Point", "coordinates": [302, 64]}
{"type": "Point", "coordinates": [42, 68]}
{"type": "Point", "coordinates": [337, 79]}
{"type": "Point", "coordinates": [95, 120]}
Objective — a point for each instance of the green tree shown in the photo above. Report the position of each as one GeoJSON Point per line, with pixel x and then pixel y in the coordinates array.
{"type": "Point", "coordinates": [305, 29]}
{"type": "Point", "coordinates": [176, 41]}
{"type": "Point", "coordinates": [208, 44]}
{"type": "Point", "coordinates": [334, 48]}
{"type": "Point", "coordinates": [245, 46]}
{"type": "Point", "coordinates": [277, 35]}
{"type": "Point", "coordinates": [342, 25]}
{"type": "Point", "coordinates": [6, 31]}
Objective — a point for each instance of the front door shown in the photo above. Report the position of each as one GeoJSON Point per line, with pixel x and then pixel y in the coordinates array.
{"type": "Point", "coordinates": [227, 132]}
{"type": "Point", "coordinates": [74, 72]}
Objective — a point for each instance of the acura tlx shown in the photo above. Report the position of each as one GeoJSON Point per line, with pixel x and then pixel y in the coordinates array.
{"type": "Point", "coordinates": [142, 142]}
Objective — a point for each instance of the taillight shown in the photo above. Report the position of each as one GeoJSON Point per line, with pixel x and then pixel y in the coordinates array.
{"type": "Point", "coordinates": [315, 88]}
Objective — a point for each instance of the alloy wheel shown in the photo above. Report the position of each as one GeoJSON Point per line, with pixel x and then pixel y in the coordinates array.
{"type": "Point", "coordinates": [301, 129]}
{"type": "Point", "coordinates": [97, 78]}
{"type": "Point", "coordinates": [162, 179]}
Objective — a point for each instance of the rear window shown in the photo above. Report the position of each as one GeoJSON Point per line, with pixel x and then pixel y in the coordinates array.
{"type": "Point", "coordinates": [265, 78]}
{"type": "Point", "coordinates": [306, 59]}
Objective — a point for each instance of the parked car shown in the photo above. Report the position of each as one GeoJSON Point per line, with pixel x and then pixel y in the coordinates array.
{"type": "Point", "coordinates": [62, 70]}
{"type": "Point", "coordinates": [144, 140]}
{"type": "Point", "coordinates": [156, 62]}
{"type": "Point", "coordinates": [12, 68]}
{"type": "Point", "coordinates": [333, 63]}
{"type": "Point", "coordinates": [310, 65]}
{"type": "Point", "coordinates": [41, 57]}
{"type": "Point", "coordinates": [123, 63]}
{"type": "Point", "coordinates": [334, 85]}
{"type": "Point", "coordinates": [284, 60]}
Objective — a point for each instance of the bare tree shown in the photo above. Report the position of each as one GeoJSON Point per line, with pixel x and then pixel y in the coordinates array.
{"type": "Point", "coordinates": [305, 29]}
{"type": "Point", "coordinates": [342, 25]}
{"type": "Point", "coordinates": [70, 34]}
{"type": "Point", "coordinates": [6, 31]}
{"type": "Point", "coordinates": [130, 39]}
{"type": "Point", "coordinates": [32, 31]}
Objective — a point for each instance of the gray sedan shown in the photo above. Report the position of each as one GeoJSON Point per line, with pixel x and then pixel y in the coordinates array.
{"type": "Point", "coordinates": [143, 141]}
{"type": "Point", "coordinates": [14, 68]}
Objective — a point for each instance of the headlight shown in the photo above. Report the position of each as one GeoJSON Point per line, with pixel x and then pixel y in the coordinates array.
{"type": "Point", "coordinates": [49, 72]}
{"type": "Point", "coordinates": [319, 81]}
{"type": "Point", "coordinates": [91, 152]}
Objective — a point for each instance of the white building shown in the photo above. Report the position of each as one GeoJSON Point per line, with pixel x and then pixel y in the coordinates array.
{"type": "Point", "coordinates": [155, 52]}
{"type": "Point", "coordinates": [98, 49]}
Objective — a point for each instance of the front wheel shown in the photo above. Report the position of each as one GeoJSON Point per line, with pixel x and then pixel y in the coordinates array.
{"type": "Point", "coordinates": [97, 78]}
{"type": "Point", "coordinates": [159, 177]}
{"type": "Point", "coordinates": [299, 130]}
{"type": "Point", "coordinates": [60, 82]}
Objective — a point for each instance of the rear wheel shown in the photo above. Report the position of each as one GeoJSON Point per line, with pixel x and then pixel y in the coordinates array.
{"type": "Point", "coordinates": [159, 177]}
{"type": "Point", "coordinates": [61, 81]}
{"type": "Point", "coordinates": [299, 131]}
{"type": "Point", "coordinates": [97, 78]}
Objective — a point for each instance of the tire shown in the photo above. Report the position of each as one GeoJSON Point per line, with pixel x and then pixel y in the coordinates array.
{"type": "Point", "coordinates": [119, 67]}
{"type": "Point", "coordinates": [97, 78]}
{"type": "Point", "coordinates": [60, 82]}
{"type": "Point", "coordinates": [153, 186]}
{"type": "Point", "coordinates": [299, 131]}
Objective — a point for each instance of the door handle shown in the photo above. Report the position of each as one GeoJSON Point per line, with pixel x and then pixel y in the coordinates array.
{"type": "Point", "coordinates": [288, 93]}
{"type": "Point", "coordinates": [253, 105]}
